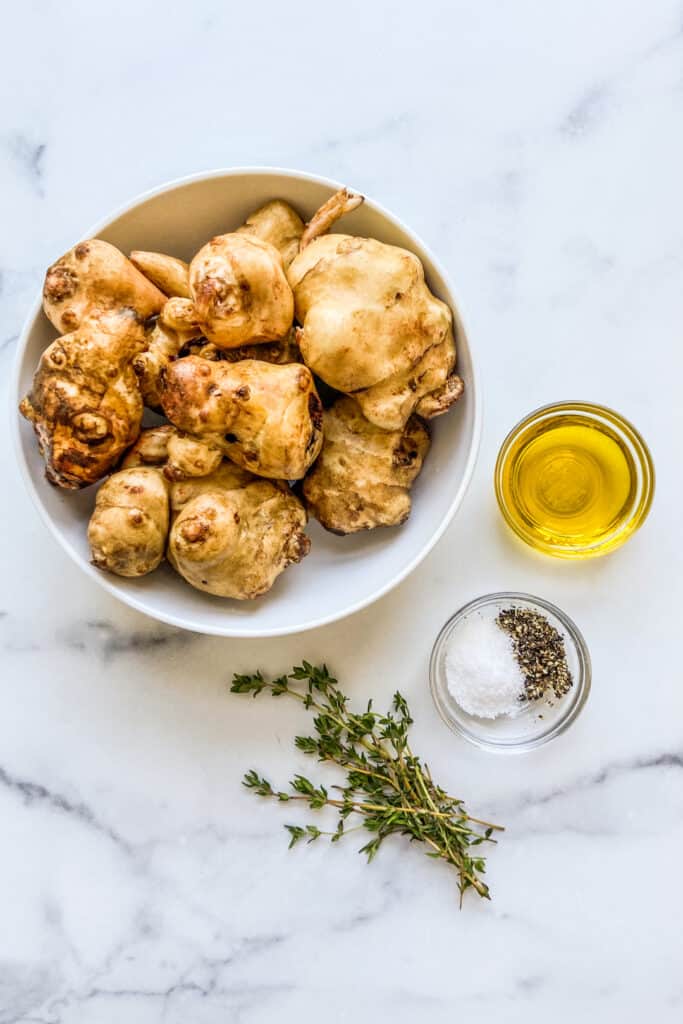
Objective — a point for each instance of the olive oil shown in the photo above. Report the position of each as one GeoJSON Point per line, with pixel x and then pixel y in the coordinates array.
{"type": "Point", "coordinates": [574, 480]}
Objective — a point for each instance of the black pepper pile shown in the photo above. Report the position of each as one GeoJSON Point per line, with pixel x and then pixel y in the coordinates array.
{"type": "Point", "coordinates": [539, 650]}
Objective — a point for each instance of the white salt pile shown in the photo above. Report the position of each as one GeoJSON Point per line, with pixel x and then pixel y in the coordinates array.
{"type": "Point", "coordinates": [482, 672]}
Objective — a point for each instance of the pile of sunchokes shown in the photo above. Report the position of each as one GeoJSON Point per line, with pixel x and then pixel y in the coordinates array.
{"type": "Point", "coordinates": [232, 349]}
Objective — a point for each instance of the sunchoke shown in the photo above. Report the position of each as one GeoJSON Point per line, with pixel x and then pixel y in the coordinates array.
{"type": "Point", "coordinates": [169, 274]}
{"type": "Point", "coordinates": [240, 291]}
{"type": "Point", "coordinates": [266, 418]}
{"type": "Point", "coordinates": [92, 279]}
{"type": "Point", "coordinates": [363, 475]}
{"type": "Point", "coordinates": [279, 224]}
{"type": "Point", "coordinates": [371, 327]}
{"type": "Point", "coordinates": [85, 404]}
{"type": "Point", "coordinates": [129, 527]}
{"type": "Point", "coordinates": [233, 534]}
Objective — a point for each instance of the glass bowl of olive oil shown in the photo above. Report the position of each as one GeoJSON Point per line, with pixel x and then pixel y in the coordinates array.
{"type": "Point", "coordinates": [574, 480]}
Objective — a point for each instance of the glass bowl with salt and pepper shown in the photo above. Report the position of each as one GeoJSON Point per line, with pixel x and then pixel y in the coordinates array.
{"type": "Point", "coordinates": [509, 672]}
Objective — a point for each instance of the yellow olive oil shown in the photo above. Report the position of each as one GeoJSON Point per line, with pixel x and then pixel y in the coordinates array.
{"type": "Point", "coordinates": [570, 482]}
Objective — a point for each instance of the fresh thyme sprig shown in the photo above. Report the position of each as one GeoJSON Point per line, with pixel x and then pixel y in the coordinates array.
{"type": "Point", "coordinates": [387, 786]}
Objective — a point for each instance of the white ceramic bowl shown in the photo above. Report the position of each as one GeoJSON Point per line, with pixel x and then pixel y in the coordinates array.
{"type": "Point", "coordinates": [341, 574]}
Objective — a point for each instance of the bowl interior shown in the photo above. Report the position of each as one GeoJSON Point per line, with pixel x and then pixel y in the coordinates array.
{"type": "Point", "coordinates": [341, 574]}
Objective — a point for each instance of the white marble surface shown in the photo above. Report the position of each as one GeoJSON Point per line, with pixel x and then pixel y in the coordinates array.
{"type": "Point", "coordinates": [538, 149]}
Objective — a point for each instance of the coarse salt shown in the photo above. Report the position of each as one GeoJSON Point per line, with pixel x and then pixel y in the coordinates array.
{"type": "Point", "coordinates": [482, 673]}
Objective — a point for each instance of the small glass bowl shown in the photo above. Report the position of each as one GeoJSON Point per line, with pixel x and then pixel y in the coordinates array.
{"type": "Point", "coordinates": [642, 480]}
{"type": "Point", "coordinates": [536, 723]}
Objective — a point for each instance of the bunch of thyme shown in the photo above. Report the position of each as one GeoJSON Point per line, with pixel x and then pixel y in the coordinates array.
{"type": "Point", "coordinates": [387, 785]}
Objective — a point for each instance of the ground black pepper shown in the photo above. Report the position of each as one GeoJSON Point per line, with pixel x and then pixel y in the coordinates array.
{"type": "Point", "coordinates": [539, 650]}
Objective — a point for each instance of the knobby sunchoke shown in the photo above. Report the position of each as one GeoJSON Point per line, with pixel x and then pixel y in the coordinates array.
{"type": "Point", "coordinates": [128, 529]}
{"type": "Point", "coordinates": [363, 475]}
{"type": "Point", "coordinates": [85, 404]}
{"type": "Point", "coordinates": [371, 327]}
{"type": "Point", "coordinates": [266, 418]}
{"type": "Point", "coordinates": [240, 291]}
{"type": "Point", "coordinates": [233, 533]}
{"type": "Point", "coordinates": [92, 279]}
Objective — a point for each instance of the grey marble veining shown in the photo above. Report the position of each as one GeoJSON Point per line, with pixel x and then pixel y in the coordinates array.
{"type": "Point", "coordinates": [538, 149]}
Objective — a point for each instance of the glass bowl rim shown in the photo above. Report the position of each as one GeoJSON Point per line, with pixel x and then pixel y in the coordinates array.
{"type": "Point", "coordinates": [643, 454]}
{"type": "Point", "coordinates": [582, 684]}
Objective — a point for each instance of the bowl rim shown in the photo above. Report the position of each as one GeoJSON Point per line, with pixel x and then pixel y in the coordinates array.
{"type": "Point", "coordinates": [617, 421]}
{"type": "Point", "coordinates": [178, 620]}
{"type": "Point", "coordinates": [582, 685]}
